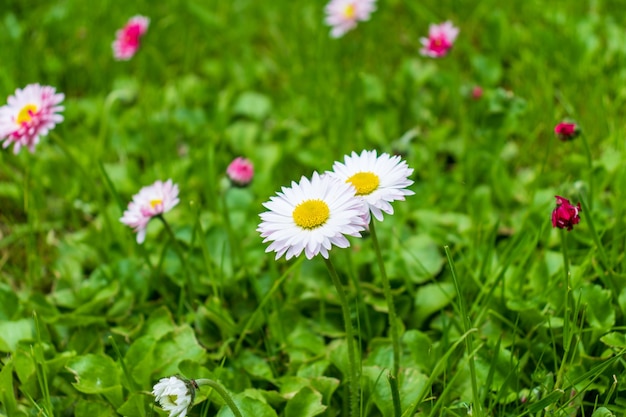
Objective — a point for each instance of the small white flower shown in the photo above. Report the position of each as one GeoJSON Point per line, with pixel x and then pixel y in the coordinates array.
{"type": "Point", "coordinates": [152, 200]}
{"type": "Point", "coordinates": [311, 216]}
{"type": "Point", "coordinates": [174, 395]}
{"type": "Point", "coordinates": [343, 15]}
{"type": "Point", "coordinates": [30, 113]}
{"type": "Point", "coordinates": [379, 180]}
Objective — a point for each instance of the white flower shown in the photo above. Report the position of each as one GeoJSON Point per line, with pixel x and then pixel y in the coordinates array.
{"type": "Point", "coordinates": [30, 113]}
{"type": "Point", "coordinates": [379, 180]}
{"type": "Point", "coordinates": [311, 216]}
{"type": "Point", "coordinates": [343, 15]}
{"type": "Point", "coordinates": [151, 201]}
{"type": "Point", "coordinates": [174, 395]}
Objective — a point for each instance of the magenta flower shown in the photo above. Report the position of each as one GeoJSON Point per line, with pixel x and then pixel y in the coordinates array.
{"type": "Point", "coordinates": [28, 114]}
{"type": "Point", "coordinates": [343, 15]}
{"type": "Point", "coordinates": [565, 216]}
{"type": "Point", "coordinates": [477, 92]}
{"type": "Point", "coordinates": [240, 171]}
{"type": "Point", "coordinates": [566, 131]}
{"type": "Point", "coordinates": [151, 201]}
{"type": "Point", "coordinates": [127, 38]}
{"type": "Point", "coordinates": [440, 40]}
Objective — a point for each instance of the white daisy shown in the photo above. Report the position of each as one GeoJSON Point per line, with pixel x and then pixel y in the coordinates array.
{"type": "Point", "coordinates": [311, 216]}
{"type": "Point", "coordinates": [174, 395]}
{"type": "Point", "coordinates": [30, 113]}
{"type": "Point", "coordinates": [152, 200]}
{"type": "Point", "coordinates": [379, 180]}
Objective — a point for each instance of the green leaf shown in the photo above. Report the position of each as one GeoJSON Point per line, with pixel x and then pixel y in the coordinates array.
{"type": "Point", "coordinates": [86, 408]}
{"type": "Point", "coordinates": [410, 384]}
{"type": "Point", "coordinates": [602, 412]}
{"type": "Point", "coordinates": [7, 395]}
{"type": "Point", "coordinates": [175, 347]}
{"type": "Point", "coordinates": [614, 339]}
{"type": "Point", "coordinates": [600, 312]}
{"type": "Point", "coordinates": [430, 298]}
{"type": "Point", "coordinates": [248, 406]}
{"type": "Point", "coordinates": [305, 403]}
{"type": "Point", "coordinates": [97, 374]}
{"type": "Point", "coordinates": [253, 105]}
{"type": "Point", "coordinates": [255, 366]}
{"type": "Point", "coordinates": [135, 405]}
{"type": "Point", "coordinates": [12, 332]}
{"type": "Point", "coordinates": [422, 258]}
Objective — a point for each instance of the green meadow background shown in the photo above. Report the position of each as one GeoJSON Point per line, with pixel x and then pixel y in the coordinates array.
{"type": "Point", "coordinates": [89, 320]}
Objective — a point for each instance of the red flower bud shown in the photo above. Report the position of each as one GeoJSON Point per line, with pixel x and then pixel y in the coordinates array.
{"type": "Point", "coordinates": [566, 131]}
{"type": "Point", "coordinates": [565, 216]}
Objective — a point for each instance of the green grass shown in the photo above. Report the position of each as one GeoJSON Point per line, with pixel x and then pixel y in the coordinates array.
{"type": "Point", "coordinates": [89, 320]}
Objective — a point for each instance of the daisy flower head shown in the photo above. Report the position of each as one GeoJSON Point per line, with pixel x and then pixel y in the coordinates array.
{"type": "Point", "coordinates": [343, 15]}
{"type": "Point", "coordinates": [152, 200]}
{"type": "Point", "coordinates": [379, 180]}
{"type": "Point", "coordinates": [174, 395]}
{"type": "Point", "coordinates": [440, 40]}
{"type": "Point", "coordinates": [311, 216]}
{"type": "Point", "coordinates": [127, 39]}
{"type": "Point", "coordinates": [30, 113]}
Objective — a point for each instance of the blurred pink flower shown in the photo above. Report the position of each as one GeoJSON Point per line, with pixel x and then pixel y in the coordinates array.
{"type": "Point", "coordinates": [240, 171]}
{"type": "Point", "coordinates": [565, 216]}
{"type": "Point", "coordinates": [127, 38]}
{"type": "Point", "coordinates": [29, 113]}
{"type": "Point", "coordinates": [440, 40]}
{"type": "Point", "coordinates": [566, 131]}
{"type": "Point", "coordinates": [151, 201]}
{"type": "Point", "coordinates": [343, 15]}
{"type": "Point", "coordinates": [477, 92]}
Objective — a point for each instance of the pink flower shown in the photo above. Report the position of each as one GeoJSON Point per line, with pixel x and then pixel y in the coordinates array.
{"type": "Point", "coordinates": [127, 38]}
{"type": "Point", "coordinates": [477, 92]}
{"type": "Point", "coordinates": [151, 201]}
{"type": "Point", "coordinates": [566, 131]}
{"type": "Point", "coordinates": [343, 15]}
{"type": "Point", "coordinates": [440, 40]}
{"type": "Point", "coordinates": [565, 216]}
{"type": "Point", "coordinates": [240, 171]}
{"type": "Point", "coordinates": [28, 114]}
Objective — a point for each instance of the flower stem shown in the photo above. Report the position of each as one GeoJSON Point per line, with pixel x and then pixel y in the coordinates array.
{"type": "Point", "coordinates": [180, 254]}
{"type": "Point", "coordinates": [393, 321]}
{"type": "Point", "coordinates": [222, 392]}
{"type": "Point", "coordinates": [566, 318]}
{"type": "Point", "coordinates": [343, 299]}
{"type": "Point", "coordinates": [589, 166]}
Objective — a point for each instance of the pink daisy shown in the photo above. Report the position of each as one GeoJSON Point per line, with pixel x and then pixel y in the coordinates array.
{"type": "Point", "coordinates": [240, 171]}
{"type": "Point", "coordinates": [440, 40]}
{"type": "Point", "coordinates": [151, 201]}
{"type": "Point", "coordinates": [127, 38]}
{"type": "Point", "coordinates": [343, 15]}
{"type": "Point", "coordinates": [29, 113]}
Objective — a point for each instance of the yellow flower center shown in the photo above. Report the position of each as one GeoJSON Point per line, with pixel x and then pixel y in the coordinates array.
{"type": "Point", "coordinates": [26, 114]}
{"type": "Point", "coordinates": [349, 11]}
{"type": "Point", "coordinates": [364, 182]}
{"type": "Point", "coordinates": [172, 399]}
{"type": "Point", "coordinates": [155, 203]}
{"type": "Point", "coordinates": [311, 214]}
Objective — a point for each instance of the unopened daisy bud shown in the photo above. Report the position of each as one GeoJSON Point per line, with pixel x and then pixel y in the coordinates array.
{"type": "Point", "coordinates": [240, 172]}
{"type": "Point", "coordinates": [566, 131]}
{"type": "Point", "coordinates": [565, 215]}
{"type": "Point", "coordinates": [175, 395]}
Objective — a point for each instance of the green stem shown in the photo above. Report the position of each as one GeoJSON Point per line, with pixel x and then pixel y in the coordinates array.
{"type": "Point", "coordinates": [589, 166]}
{"type": "Point", "coordinates": [180, 254]}
{"type": "Point", "coordinates": [566, 323]}
{"type": "Point", "coordinates": [469, 340]}
{"type": "Point", "coordinates": [393, 321]}
{"type": "Point", "coordinates": [345, 308]}
{"type": "Point", "coordinates": [222, 392]}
